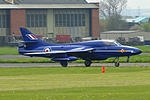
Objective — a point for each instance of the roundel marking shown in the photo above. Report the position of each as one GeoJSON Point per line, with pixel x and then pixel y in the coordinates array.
{"type": "Point", "coordinates": [47, 49]}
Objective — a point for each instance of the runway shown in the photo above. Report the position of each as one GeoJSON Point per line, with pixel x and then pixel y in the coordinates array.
{"type": "Point", "coordinates": [12, 56]}
{"type": "Point", "coordinates": [7, 65]}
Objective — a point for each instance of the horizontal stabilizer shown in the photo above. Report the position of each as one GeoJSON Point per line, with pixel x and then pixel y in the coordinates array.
{"type": "Point", "coordinates": [28, 42]}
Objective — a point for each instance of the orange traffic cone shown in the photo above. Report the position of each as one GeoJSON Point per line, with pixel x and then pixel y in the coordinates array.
{"type": "Point", "coordinates": [103, 69]}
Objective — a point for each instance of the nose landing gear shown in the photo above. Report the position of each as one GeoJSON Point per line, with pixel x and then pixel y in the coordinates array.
{"type": "Point", "coordinates": [117, 64]}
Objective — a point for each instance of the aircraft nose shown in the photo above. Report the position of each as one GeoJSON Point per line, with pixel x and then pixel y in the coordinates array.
{"type": "Point", "coordinates": [140, 51]}
{"type": "Point", "coordinates": [137, 51]}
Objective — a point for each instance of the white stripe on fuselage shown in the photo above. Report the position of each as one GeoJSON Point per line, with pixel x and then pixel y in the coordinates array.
{"type": "Point", "coordinates": [111, 51]}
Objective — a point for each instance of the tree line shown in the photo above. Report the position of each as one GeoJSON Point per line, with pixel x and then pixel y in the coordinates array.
{"type": "Point", "coordinates": [111, 10]}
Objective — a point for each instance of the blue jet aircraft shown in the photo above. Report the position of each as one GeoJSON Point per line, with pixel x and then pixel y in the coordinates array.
{"type": "Point", "coordinates": [88, 51]}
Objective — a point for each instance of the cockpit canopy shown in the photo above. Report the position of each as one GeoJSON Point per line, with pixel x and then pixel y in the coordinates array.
{"type": "Point", "coordinates": [111, 43]}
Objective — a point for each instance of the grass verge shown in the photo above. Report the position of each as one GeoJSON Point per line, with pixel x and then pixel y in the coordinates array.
{"type": "Point", "coordinates": [8, 51]}
{"type": "Point", "coordinates": [75, 83]}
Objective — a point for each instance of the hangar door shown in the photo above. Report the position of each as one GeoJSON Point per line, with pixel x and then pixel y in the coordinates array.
{"type": "Point", "coordinates": [72, 21]}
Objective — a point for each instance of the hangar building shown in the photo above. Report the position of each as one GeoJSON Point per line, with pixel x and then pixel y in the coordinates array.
{"type": "Point", "coordinates": [128, 37]}
{"type": "Point", "coordinates": [48, 18]}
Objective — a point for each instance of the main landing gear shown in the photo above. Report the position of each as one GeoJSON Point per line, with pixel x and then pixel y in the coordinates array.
{"type": "Point", "coordinates": [88, 63]}
{"type": "Point", "coordinates": [64, 63]}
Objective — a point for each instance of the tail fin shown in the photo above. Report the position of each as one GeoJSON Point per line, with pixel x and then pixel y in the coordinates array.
{"type": "Point", "coordinates": [29, 37]}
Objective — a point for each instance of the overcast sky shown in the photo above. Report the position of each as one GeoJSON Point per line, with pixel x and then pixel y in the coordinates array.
{"type": "Point", "coordinates": [133, 4]}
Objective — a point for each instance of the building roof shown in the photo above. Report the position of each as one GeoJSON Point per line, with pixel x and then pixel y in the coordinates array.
{"type": "Point", "coordinates": [39, 4]}
{"type": "Point", "coordinates": [46, 6]}
{"type": "Point", "coordinates": [118, 32]}
{"type": "Point", "coordinates": [141, 19]}
{"type": "Point", "coordinates": [44, 1]}
{"type": "Point", "coordinates": [52, 1]}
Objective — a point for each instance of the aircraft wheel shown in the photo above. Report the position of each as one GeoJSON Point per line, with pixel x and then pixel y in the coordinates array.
{"type": "Point", "coordinates": [88, 63]}
{"type": "Point", "coordinates": [64, 63]}
{"type": "Point", "coordinates": [117, 64]}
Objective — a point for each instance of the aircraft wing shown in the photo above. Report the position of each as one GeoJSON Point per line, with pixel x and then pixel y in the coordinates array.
{"type": "Point", "coordinates": [76, 50]}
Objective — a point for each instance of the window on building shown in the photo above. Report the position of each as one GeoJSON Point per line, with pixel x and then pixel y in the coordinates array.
{"type": "Point", "coordinates": [36, 18]}
{"type": "Point", "coordinates": [83, 19]}
{"type": "Point", "coordinates": [64, 20]}
{"type": "Point", "coordinates": [76, 20]}
{"type": "Point", "coordinates": [8, 20]}
{"type": "Point", "coordinates": [56, 20]}
{"type": "Point", "coordinates": [72, 20]}
{"type": "Point", "coordinates": [60, 20]}
{"type": "Point", "coordinates": [32, 20]}
{"type": "Point", "coordinates": [44, 20]}
{"type": "Point", "coordinates": [69, 20]}
{"type": "Point", "coordinates": [80, 18]}
{"type": "Point", "coordinates": [40, 20]}
{"type": "Point", "coordinates": [28, 20]}
{"type": "Point", "coordinates": [4, 19]}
